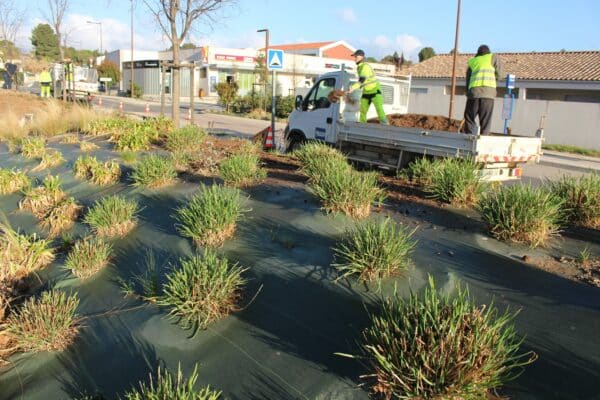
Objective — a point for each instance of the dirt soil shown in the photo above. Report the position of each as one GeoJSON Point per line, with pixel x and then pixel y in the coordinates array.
{"type": "Point", "coordinates": [429, 122]}
{"type": "Point", "coordinates": [570, 268]}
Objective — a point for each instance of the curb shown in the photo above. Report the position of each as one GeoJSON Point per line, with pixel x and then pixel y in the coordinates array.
{"type": "Point", "coordinates": [569, 166]}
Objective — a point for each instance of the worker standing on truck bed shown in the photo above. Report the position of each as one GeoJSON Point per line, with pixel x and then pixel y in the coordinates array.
{"type": "Point", "coordinates": [483, 71]}
{"type": "Point", "coordinates": [371, 89]}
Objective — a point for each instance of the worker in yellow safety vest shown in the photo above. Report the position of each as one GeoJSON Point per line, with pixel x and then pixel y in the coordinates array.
{"type": "Point", "coordinates": [371, 89]}
{"type": "Point", "coordinates": [45, 83]}
{"type": "Point", "coordinates": [483, 71]}
{"type": "Point", "coordinates": [68, 65]}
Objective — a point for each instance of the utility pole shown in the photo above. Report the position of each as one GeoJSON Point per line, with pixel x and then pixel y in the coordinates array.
{"type": "Point", "coordinates": [131, 49]}
{"type": "Point", "coordinates": [453, 89]}
{"type": "Point", "coordinates": [100, 24]}
{"type": "Point", "coordinates": [266, 52]}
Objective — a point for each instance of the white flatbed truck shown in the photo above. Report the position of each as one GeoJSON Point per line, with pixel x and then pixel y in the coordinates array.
{"type": "Point", "coordinates": [316, 118]}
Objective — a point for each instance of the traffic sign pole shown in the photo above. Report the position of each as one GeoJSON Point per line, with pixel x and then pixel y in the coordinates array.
{"type": "Point", "coordinates": [274, 63]}
{"type": "Point", "coordinates": [273, 108]}
{"type": "Point", "coordinates": [509, 101]}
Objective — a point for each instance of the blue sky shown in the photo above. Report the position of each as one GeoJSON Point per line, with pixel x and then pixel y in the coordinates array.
{"type": "Point", "coordinates": [379, 27]}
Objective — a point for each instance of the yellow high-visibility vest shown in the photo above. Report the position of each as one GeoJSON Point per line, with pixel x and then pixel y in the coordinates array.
{"type": "Point", "coordinates": [483, 72]}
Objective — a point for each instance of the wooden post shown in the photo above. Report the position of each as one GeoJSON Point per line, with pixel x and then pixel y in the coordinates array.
{"type": "Point", "coordinates": [162, 89]}
{"type": "Point", "coordinates": [192, 93]}
{"type": "Point", "coordinates": [453, 89]}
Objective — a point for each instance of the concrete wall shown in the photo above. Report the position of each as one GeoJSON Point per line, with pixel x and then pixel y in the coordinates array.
{"type": "Point", "coordinates": [570, 123]}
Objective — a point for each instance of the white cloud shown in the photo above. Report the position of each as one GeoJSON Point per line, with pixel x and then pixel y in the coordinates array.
{"type": "Point", "coordinates": [346, 15]}
{"type": "Point", "coordinates": [382, 45]}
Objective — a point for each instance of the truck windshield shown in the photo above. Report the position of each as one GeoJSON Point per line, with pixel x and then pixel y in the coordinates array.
{"type": "Point", "coordinates": [317, 97]}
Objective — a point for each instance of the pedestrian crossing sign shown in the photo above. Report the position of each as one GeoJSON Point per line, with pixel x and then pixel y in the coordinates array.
{"type": "Point", "coordinates": [275, 59]}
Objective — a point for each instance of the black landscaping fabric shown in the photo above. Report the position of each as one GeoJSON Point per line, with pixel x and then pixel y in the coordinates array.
{"type": "Point", "coordinates": [294, 316]}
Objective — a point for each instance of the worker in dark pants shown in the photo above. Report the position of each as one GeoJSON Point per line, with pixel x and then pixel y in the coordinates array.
{"type": "Point", "coordinates": [484, 69]}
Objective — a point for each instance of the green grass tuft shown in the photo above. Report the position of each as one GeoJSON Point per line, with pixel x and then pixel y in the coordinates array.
{"type": "Point", "coordinates": [203, 290]}
{"type": "Point", "coordinates": [100, 173]}
{"type": "Point", "coordinates": [12, 181]}
{"type": "Point", "coordinates": [374, 250]}
{"type": "Point", "coordinates": [521, 213]}
{"type": "Point", "coordinates": [241, 170]}
{"type": "Point", "coordinates": [456, 181]}
{"type": "Point", "coordinates": [45, 324]}
{"type": "Point", "coordinates": [169, 387]}
{"type": "Point", "coordinates": [61, 217]}
{"type": "Point", "coordinates": [154, 171]}
{"type": "Point", "coordinates": [210, 216]}
{"type": "Point", "coordinates": [436, 347]}
{"type": "Point", "coordinates": [49, 160]}
{"type": "Point", "coordinates": [581, 199]}
{"type": "Point", "coordinates": [33, 147]}
{"type": "Point", "coordinates": [40, 200]}
{"type": "Point", "coordinates": [112, 216]}
{"type": "Point", "coordinates": [22, 254]}
{"type": "Point", "coordinates": [186, 140]}
{"type": "Point", "coordinates": [88, 256]}
{"type": "Point", "coordinates": [422, 170]}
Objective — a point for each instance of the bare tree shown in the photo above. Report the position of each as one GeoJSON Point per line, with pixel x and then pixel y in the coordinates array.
{"type": "Point", "coordinates": [11, 19]}
{"type": "Point", "coordinates": [177, 18]}
{"type": "Point", "coordinates": [58, 8]}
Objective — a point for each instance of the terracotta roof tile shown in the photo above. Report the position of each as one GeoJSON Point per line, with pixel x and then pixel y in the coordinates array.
{"type": "Point", "coordinates": [563, 66]}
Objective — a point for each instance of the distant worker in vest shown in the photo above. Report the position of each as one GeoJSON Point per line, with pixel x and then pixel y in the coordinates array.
{"type": "Point", "coordinates": [68, 73]}
{"type": "Point", "coordinates": [371, 89]}
{"type": "Point", "coordinates": [45, 83]}
{"type": "Point", "coordinates": [484, 69]}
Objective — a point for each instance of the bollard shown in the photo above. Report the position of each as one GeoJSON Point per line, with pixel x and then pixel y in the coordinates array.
{"type": "Point", "coordinates": [189, 114]}
{"type": "Point", "coordinates": [120, 106]}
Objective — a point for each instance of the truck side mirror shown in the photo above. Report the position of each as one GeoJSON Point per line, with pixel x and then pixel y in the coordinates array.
{"type": "Point", "coordinates": [298, 103]}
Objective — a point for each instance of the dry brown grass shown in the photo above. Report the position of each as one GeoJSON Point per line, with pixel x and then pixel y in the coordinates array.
{"type": "Point", "coordinates": [216, 238]}
{"type": "Point", "coordinates": [117, 230]}
{"type": "Point", "coordinates": [21, 254]}
{"type": "Point", "coordinates": [50, 117]}
{"type": "Point", "coordinates": [61, 217]}
{"type": "Point", "coordinates": [87, 146]}
{"type": "Point", "coordinates": [41, 200]}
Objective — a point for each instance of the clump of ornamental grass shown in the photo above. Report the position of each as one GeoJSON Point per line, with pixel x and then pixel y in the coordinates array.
{"type": "Point", "coordinates": [581, 199]}
{"type": "Point", "coordinates": [422, 170]}
{"type": "Point", "coordinates": [33, 147]}
{"type": "Point", "coordinates": [204, 289]}
{"type": "Point", "coordinates": [522, 213]}
{"type": "Point", "coordinates": [88, 256]}
{"type": "Point", "coordinates": [456, 181]}
{"type": "Point", "coordinates": [112, 216]}
{"type": "Point", "coordinates": [70, 138]}
{"type": "Point", "coordinates": [374, 250]}
{"type": "Point", "coordinates": [59, 118]}
{"type": "Point", "coordinates": [12, 181]}
{"type": "Point", "coordinates": [314, 156]}
{"type": "Point", "coordinates": [184, 143]}
{"type": "Point", "coordinates": [87, 146]}
{"type": "Point", "coordinates": [210, 216]}
{"type": "Point", "coordinates": [137, 137]}
{"type": "Point", "coordinates": [437, 347]}
{"type": "Point", "coordinates": [41, 199]}
{"type": "Point", "coordinates": [48, 323]}
{"type": "Point", "coordinates": [167, 386]}
{"type": "Point", "coordinates": [22, 254]}
{"type": "Point", "coordinates": [49, 160]}
{"type": "Point", "coordinates": [154, 171]}
{"type": "Point", "coordinates": [97, 172]}
{"type": "Point", "coordinates": [61, 217]}
{"type": "Point", "coordinates": [241, 170]}
{"type": "Point", "coordinates": [129, 157]}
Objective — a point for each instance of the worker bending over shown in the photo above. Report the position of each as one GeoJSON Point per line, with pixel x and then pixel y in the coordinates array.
{"type": "Point", "coordinates": [371, 89]}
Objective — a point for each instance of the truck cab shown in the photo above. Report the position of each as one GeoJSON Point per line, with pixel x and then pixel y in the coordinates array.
{"type": "Point", "coordinates": [315, 117]}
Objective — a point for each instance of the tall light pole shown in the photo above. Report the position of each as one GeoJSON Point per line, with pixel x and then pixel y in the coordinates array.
{"type": "Point", "coordinates": [99, 23]}
{"type": "Point", "coordinates": [453, 89]}
{"type": "Point", "coordinates": [266, 31]}
{"type": "Point", "coordinates": [131, 66]}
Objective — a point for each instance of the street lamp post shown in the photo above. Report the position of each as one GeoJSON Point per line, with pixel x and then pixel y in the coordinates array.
{"type": "Point", "coordinates": [266, 31]}
{"type": "Point", "coordinates": [131, 80]}
{"type": "Point", "coordinates": [99, 23]}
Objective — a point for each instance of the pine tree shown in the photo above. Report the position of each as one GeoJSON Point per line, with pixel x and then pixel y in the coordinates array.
{"type": "Point", "coordinates": [45, 41]}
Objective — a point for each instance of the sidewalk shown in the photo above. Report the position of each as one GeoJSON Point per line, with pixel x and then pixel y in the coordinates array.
{"type": "Point", "coordinates": [570, 161]}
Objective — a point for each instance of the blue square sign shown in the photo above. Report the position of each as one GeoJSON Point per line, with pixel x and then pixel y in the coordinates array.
{"type": "Point", "coordinates": [275, 59]}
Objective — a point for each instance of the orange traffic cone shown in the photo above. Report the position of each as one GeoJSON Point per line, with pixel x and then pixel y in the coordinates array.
{"type": "Point", "coordinates": [147, 110]}
{"type": "Point", "coordinates": [268, 139]}
{"type": "Point", "coordinates": [99, 101]}
{"type": "Point", "coordinates": [189, 114]}
{"type": "Point", "coordinates": [120, 106]}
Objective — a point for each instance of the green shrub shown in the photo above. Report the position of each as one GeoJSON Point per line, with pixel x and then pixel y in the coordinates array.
{"type": "Point", "coordinates": [112, 216]}
{"type": "Point", "coordinates": [168, 387]}
{"type": "Point", "coordinates": [227, 92]}
{"type": "Point", "coordinates": [435, 347]}
{"type": "Point", "coordinates": [241, 170]}
{"type": "Point", "coordinates": [210, 216]}
{"type": "Point", "coordinates": [203, 290]}
{"type": "Point", "coordinates": [45, 324]}
{"type": "Point", "coordinates": [88, 256]}
{"type": "Point", "coordinates": [22, 254]}
{"type": "Point", "coordinates": [154, 171]}
{"type": "Point", "coordinates": [33, 147]}
{"type": "Point", "coordinates": [374, 250]}
{"type": "Point", "coordinates": [284, 106]}
{"type": "Point", "coordinates": [581, 198]}
{"type": "Point", "coordinates": [521, 213]}
{"type": "Point", "coordinates": [12, 181]}
{"type": "Point", "coordinates": [456, 181]}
